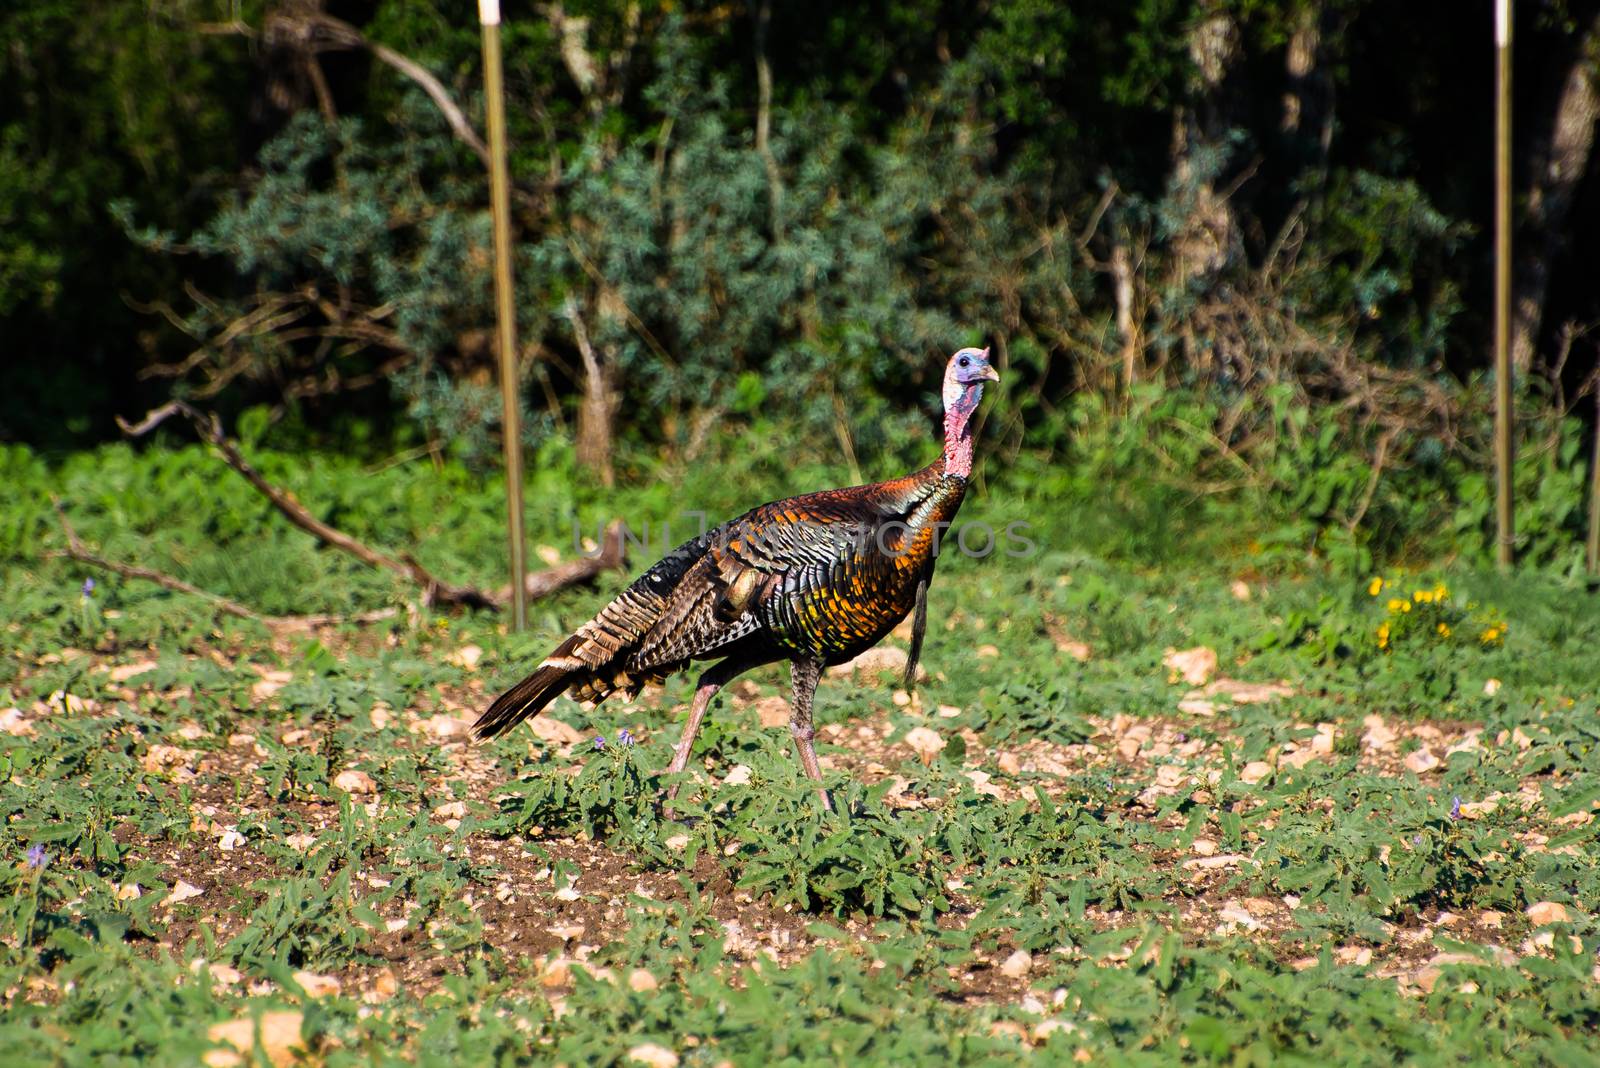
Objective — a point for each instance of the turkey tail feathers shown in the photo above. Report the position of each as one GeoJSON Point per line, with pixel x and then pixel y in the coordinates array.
{"type": "Point", "coordinates": [528, 698]}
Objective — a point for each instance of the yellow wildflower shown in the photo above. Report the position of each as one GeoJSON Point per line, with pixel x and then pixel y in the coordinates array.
{"type": "Point", "coordinates": [1422, 596]}
{"type": "Point", "coordinates": [1443, 629]}
{"type": "Point", "coordinates": [1396, 606]}
{"type": "Point", "coordinates": [1383, 635]}
{"type": "Point", "coordinates": [1375, 587]}
{"type": "Point", "coordinates": [1441, 593]}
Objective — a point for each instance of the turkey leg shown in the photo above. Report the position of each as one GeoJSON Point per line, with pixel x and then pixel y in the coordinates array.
{"type": "Point", "coordinates": [710, 682]}
{"type": "Point", "coordinates": [804, 674]}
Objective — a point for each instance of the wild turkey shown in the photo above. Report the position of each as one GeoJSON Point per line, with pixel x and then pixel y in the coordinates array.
{"type": "Point", "coordinates": [815, 580]}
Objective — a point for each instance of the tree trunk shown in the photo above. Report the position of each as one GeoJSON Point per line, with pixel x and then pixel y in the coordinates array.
{"type": "Point", "coordinates": [1307, 122]}
{"type": "Point", "coordinates": [597, 411]}
{"type": "Point", "coordinates": [1559, 163]}
{"type": "Point", "coordinates": [1210, 238]}
{"type": "Point", "coordinates": [1122, 288]}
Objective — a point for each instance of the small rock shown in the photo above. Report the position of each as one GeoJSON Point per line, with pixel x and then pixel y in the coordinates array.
{"type": "Point", "coordinates": [1491, 687]}
{"type": "Point", "coordinates": [183, 891]}
{"type": "Point", "coordinates": [678, 842]}
{"type": "Point", "coordinates": [1194, 666]}
{"type": "Point", "coordinates": [451, 810]}
{"type": "Point", "coordinates": [1045, 1028]}
{"type": "Point", "coordinates": [129, 892]}
{"type": "Point", "coordinates": [1009, 764]}
{"type": "Point", "coordinates": [1237, 916]}
{"type": "Point", "coordinates": [1128, 749]}
{"type": "Point", "coordinates": [555, 973]}
{"type": "Point", "coordinates": [1008, 1029]}
{"type": "Point", "coordinates": [1421, 761]}
{"type": "Point", "coordinates": [466, 657]}
{"type": "Point", "coordinates": [988, 652]}
{"type": "Point", "coordinates": [981, 784]}
{"type": "Point", "coordinates": [653, 1056]}
{"type": "Point", "coordinates": [1245, 693]}
{"type": "Point", "coordinates": [230, 840]}
{"type": "Point", "coordinates": [124, 672]}
{"type": "Point", "coordinates": [224, 974]}
{"type": "Point", "coordinates": [1225, 860]}
{"type": "Point", "coordinates": [13, 722]}
{"type": "Point", "coordinates": [1360, 956]}
{"type": "Point", "coordinates": [1255, 771]}
{"type": "Point", "coordinates": [738, 775]}
{"type": "Point", "coordinates": [1205, 847]}
{"type": "Point", "coordinates": [1240, 590]}
{"type": "Point", "coordinates": [925, 742]}
{"type": "Point", "coordinates": [641, 981]}
{"type": "Point", "coordinates": [1299, 758]}
{"type": "Point", "coordinates": [878, 660]}
{"type": "Point", "coordinates": [271, 682]}
{"type": "Point", "coordinates": [277, 1032]}
{"type": "Point", "coordinates": [1018, 965]}
{"type": "Point", "coordinates": [949, 711]}
{"type": "Point", "coordinates": [1546, 912]}
{"type": "Point", "coordinates": [773, 711]}
{"type": "Point", "coordinates": [318, 986]}
{"type": "Point", "coordinates": [162, 758]}
{"type": "Point", "coordinates": [352, 781]}
{"type": "Point", "coordinates": [384, 986]}
{"type": "Point", "coordinates": [1079, 651]}
{"type": "Point", "coordinates": [1379, 735]}
{"type": "Point", "coordinates": [552, 730]}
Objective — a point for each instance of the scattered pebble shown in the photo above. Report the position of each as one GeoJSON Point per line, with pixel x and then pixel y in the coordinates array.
{"type": "Point", "coordinates": [1546, 912]}
{"type": "Point", "coordinates": [1018, 965]}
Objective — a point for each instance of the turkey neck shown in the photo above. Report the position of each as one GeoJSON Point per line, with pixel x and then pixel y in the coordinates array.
{"type": "Point", "coordinates": [960, 403]}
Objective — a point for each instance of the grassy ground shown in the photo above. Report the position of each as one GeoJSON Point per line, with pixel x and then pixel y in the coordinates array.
{"type": "Point", "coordinates": [1231, 808]}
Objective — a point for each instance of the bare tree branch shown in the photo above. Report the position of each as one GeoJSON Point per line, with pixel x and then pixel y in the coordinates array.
{"type": "Point", "coordinates": [77, 550]}
{"type": "Point", "coordinates": [316, 32]}
{"type": "Point", "coordinates": [613, 553]}
{"type": "Point", "coordinates": [435, 591]}
{"type": "Point", "coordinates": [209, 427]}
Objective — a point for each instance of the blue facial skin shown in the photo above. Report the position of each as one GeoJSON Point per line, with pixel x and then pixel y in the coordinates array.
{"type": "Point", "coordinates": [972, 367]}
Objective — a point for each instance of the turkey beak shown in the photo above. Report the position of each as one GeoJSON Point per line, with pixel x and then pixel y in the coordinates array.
{"type": "Point", "coordinates": [989, 374]}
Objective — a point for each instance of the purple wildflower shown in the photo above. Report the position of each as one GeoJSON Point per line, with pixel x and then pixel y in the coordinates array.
{"type": "Point", "coordinates": [88, 587]}
{"type": "Point", "coordinates": [1455, 808]}
{"type": "Point", "coordinates": [37, 857]}
{"type": "Point", "coordinates": [1416, 839]}
{"type": "Point", "coordinates": [625, 737]}
{"type": "Point", "coordinates": [599, 742]}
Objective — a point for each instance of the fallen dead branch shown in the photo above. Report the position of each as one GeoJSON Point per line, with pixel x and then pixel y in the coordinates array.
{"type": "Point", "coordinates": [612, 554]}
{"type": "Point", "coordinates": [209, 427]}
{"type": "Point", "coordinates": [77, 550]}
{"type": "Point", "coordinates": [435, 591]}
